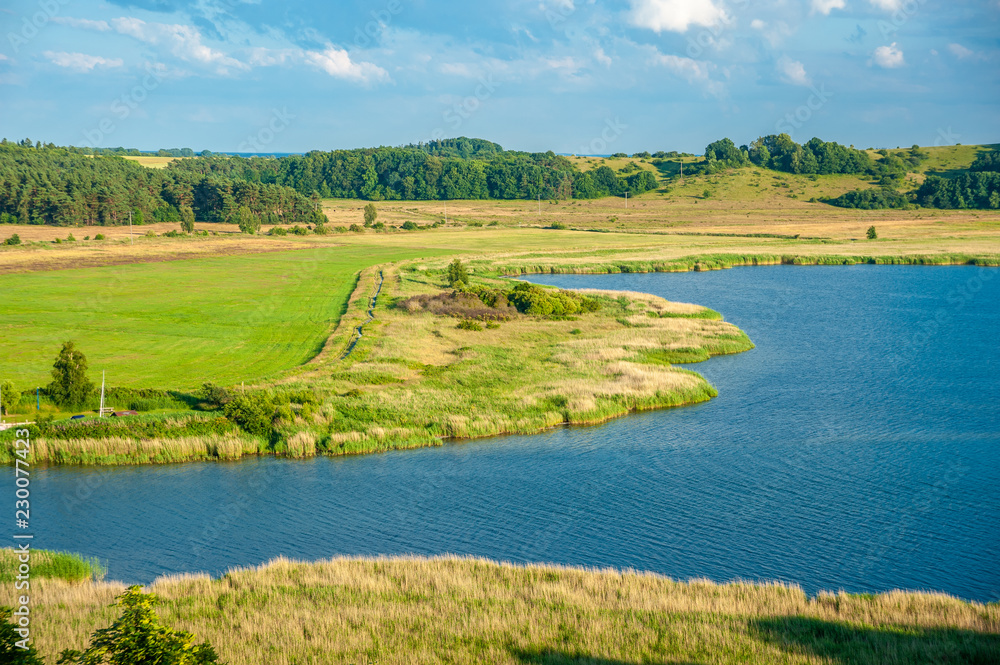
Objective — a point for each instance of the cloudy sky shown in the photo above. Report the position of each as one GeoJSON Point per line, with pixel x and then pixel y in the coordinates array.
{"type": "Point", "coordinates": [573, 76]}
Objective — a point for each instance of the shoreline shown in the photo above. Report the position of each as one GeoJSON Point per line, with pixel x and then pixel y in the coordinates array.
{"type": "Point", "coordinates": [413, 609]}
{"type": "Point", "coordinates": [84, 452]}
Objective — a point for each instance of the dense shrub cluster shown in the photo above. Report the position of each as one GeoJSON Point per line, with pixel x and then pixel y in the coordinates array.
{"type": "Point", "coordinates": [871, 199]}
{"type": "Point", "coordinates": [535, 300]}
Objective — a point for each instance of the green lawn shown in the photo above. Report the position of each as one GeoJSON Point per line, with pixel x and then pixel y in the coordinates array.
{"type": "Point", "coordinates": [177, 324]}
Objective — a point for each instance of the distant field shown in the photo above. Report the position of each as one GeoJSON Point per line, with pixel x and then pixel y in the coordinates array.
{"type": "Point", "coordinates": [177, 324]}
{"type": "Point", "coordinates": [154, 162]}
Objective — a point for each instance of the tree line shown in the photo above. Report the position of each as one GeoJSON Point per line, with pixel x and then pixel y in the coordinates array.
{"type": "Point", "coordinates": [452, 169]}
{"type": "Point", "coordinates": [978, 188]}
{"type": "Point", "coordinates": [45, 184]}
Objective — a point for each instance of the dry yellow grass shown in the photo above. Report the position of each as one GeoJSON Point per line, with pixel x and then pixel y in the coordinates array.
{"type": "Point", "coordinates": [153, 162]}
{"type": "Point", "coordinates": [458, 610]}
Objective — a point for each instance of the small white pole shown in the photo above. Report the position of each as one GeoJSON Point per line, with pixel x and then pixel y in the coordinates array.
{"type": "Point", "coordinates": [626, 200]}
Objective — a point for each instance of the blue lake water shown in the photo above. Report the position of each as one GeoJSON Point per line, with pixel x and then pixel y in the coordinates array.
{"type": "Point", "coordinates": [857, 447]}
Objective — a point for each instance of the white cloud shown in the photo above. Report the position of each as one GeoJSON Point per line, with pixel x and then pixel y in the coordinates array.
{"type": "Point", "coordinates": [184, 41]}
{"type": "Point", "coordinates": [337, 63]}
{"type": "Point", "coordinates": [960, 51]}
{"type": "Point", "coordinates": [826, 6]}
{"type": "Point", "coordinates": [2, 57]}
{"type": "Point", "coordinates": [757, 24]}
{"type": "Point", "coordinates": [793, 71]}
{"type": "Point", "coordinates": [693, 71]}
{"type": "Point", "coordinates": [675, 15]}
{"type": "Point", "coordinates": [887, 5]}
{"type": "Point", "coordinates": [602, 57]}
{"type": "Point", "coordinates": [888, 57]}
{"type": "Point", "coordinates": [81, 62]}
{"type": "Point", "coordinates": [100, 26]}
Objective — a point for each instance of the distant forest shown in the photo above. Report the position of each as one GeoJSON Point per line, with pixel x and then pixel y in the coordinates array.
{"type": "Point", "coordinates": [46, 184]}
{"type": "Point", "coordinates": [50, 185]}
{"type": "Point", "coordinates": [447, 169]}
{"type": "Point", "coordinates": [978, 188]}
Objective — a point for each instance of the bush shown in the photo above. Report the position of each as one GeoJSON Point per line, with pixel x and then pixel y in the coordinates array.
{"type": "Point", "coordinates": [321, 230]}
{"type": "Point", "coordinates": [558, 226]}
{"type": "Point", "coordinates": [278, 231]}
{"type": "Point", "coordinates": [70, 238]}
{"type": "Point", "coordinates": [10, 652]}
{"type": "Point", "coordinates": [252, 411]}
{"type": "Point", "coordinates": [457, 275]}
{"type": "Point", "coordinates": [13, 240]}
{"type": "Point", "coordinates": [214, 396]}
{"type": "Point", "coordinates": [872, 233]}
{"type": "Point", "coordinates": [137, 637]}
{"type": "Point", "coordinates": [469, 324]}
{"type": "Point", "coordinates": [370, 214]}
{"type": "Point", "coordinates": [409, 226]}
{"type": "Point", "coordinates": [355, 228]}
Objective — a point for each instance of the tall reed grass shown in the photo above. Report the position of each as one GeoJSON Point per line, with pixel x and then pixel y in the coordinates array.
{"type": "Point", "coordinates": [410, 610]}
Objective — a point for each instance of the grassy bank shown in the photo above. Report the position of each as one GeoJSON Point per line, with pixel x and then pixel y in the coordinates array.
{"type": "Point", "coordinates": [598, 264]}
{"type": "Point", "coordinates": [418, 377]}
{"type": "Point", "coordinates": [448, 610]}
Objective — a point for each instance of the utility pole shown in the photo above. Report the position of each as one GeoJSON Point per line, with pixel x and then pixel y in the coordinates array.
{"type": "Point", "coordinates": [130, 241]}
{"type": "Point", "coordinates": [626, 199]}
{"type": "Point", "coordinates": [682, 171]}
{"type": "Point", "coordinates": [101, 412]}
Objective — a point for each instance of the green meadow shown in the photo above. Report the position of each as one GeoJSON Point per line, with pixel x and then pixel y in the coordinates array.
{"type": "Point", "coordinates": [177, 324]}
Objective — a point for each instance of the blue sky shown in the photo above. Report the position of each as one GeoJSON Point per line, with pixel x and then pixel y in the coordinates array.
{"type": "Point", "coordinates": [573, 76]}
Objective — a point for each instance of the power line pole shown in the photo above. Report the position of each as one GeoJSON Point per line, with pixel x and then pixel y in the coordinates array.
{"type": "Point", "coordinates": [626, 199]}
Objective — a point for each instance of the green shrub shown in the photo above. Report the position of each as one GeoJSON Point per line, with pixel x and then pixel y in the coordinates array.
{"type": "Point", "coordinates": [558, 226]}
{"type": "Point", "coordinates": [492, 325]}
{"type": "Point", "coordinates": [355, 228]}
{"type": "Point", "coordinates": [469, 324]}
{"type": "Point", "coordinates": [13, 240]}
{"type": "Point", "coordinates": [409, 226]}
{"type": "Point", "coordinates": [10, 652]}
{"type": "Point", "coordinates": [252, 411]}
{"type": "Point", "coordinates": [457, 275]}
{"type": "Point", "coordinates": [137, 637]}
{"type": "Point", "coordinates": [214, 396]}
{"type": "Point", "coordinates": [278, 231]}
{"type": "Point", "coordinates": [872, 233]}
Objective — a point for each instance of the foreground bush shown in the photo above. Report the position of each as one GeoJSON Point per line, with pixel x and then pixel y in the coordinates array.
{"type": "Point", "coordinates": [138, 638]}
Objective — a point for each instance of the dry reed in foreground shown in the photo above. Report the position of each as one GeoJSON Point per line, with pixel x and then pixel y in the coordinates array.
{"type": "Point", "coordinates": [452, 610]}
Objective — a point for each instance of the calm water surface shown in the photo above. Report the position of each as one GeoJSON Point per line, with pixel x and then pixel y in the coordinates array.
{"type": "Point", "coordinates": [857, 447]}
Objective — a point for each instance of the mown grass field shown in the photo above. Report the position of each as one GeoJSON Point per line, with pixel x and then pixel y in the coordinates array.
{"type": "Point", "coordinates": [177, 324]}
{"type": "Point", "coordinates": [449, 610]}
